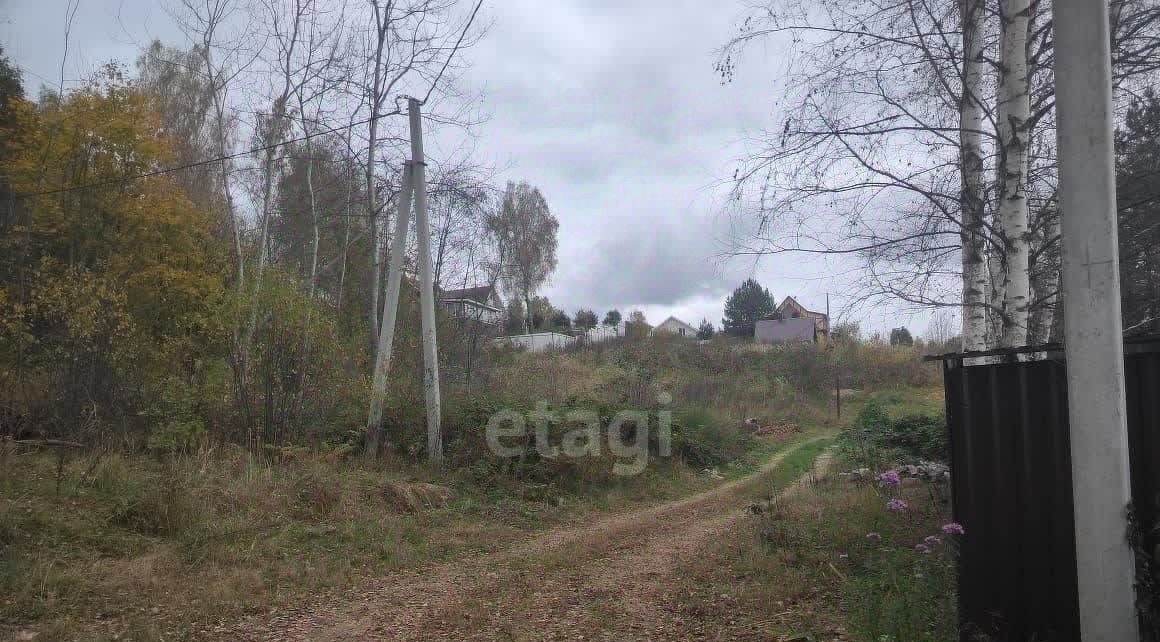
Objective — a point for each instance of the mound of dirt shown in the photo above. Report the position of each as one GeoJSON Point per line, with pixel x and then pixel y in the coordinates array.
{"type": "Point", "coordinates": [781, 430]}
{"type": "Point", "coordinates": [412, 497]}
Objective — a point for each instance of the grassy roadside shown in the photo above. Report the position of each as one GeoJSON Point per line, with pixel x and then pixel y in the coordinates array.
{"type": "Point", "coordinates": [166, 549]}
{"type": "Point", "coordinates": [838, 565]}
{"type": "Point", "coordinates": [832, 562]}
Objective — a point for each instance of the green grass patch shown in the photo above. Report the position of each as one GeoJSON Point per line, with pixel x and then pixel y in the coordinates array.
{"type": "Point", "coordinates": [800, 460]}
{"type": "Point", "coordinates": [834, 555]}
{"type": "Point", "coordinates": [911, 401]}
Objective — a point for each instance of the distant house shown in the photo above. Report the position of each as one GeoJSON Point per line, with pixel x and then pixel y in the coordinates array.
{"type": "Point", "coordinates": [537, 341]}
{"type": "Point", "coordinates": [603, 333]}
{"type": "Point", "coordinates": [480, 304]}
{"type": "Point", "coordinates": [791, 309]}
{"type": "Point", "coordinates": [792, 322]}
{"type": "Point", "coordinates": [673, 325]}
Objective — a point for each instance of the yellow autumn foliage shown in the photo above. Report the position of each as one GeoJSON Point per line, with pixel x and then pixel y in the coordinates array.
{"type": "Point", "coordinates": [109, 277]}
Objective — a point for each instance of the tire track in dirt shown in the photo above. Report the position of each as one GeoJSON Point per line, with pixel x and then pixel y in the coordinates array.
{"type": "Point", "coordinates": [610, 579]}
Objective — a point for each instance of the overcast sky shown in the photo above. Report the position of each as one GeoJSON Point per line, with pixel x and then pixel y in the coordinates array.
{"type": "Point", "coordinates": [611, 108]}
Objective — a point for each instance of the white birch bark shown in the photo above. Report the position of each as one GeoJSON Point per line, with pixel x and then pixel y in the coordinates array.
{"type": "Point", "coordinates": [382, 20]}
{"type": "Point", "coordinates": [971, 122]}
{"type": "Point", "coordinates": [1046, 295]}
{"type": "Point", "coordinates": [275, 134]}
{"type": "Point", "coordinates": [1013, 113]}
{"type": "Point", "coordinates": [345, 236]}
{"type": "Point", "coordinates": [201, 25]}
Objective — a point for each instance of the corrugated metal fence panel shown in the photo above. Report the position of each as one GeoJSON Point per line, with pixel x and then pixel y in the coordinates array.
{"type": "Point", "coordinates": [1012, 492]}
{"type": "Point", "coordinates": [1142, 376]}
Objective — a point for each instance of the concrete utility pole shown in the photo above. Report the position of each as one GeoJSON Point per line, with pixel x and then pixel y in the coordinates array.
{"type": "Point", "coordinates": [426, 287]}
{"type": "Point", "coordinates": [1091, 307]}
{"type": "Point", "coordinates": [390, 313]}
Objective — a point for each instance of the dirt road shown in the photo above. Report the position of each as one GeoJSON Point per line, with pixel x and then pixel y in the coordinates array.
{"type": "Point", "coordinates": [615, 578]}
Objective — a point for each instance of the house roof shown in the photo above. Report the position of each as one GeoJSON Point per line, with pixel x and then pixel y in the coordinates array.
{"type": "Point", "coordinates": [677, 322]}
{"type": "Point", "coordinates": [479, 294]}
{"type": "Point", "coordinates": [791, 304]}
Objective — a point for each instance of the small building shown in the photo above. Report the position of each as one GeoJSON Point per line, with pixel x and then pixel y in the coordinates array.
{"type": "Point", "coordinates": [536, 341]}
{"type": "Point", "coordinates": [776, 330]}
{"type": "Point", "coordinates": [481, 304]}
{"type": "Point", "coordinates": [603, 333]}
{"type": "Point", "coordinates": [673, 325]}
{"type": "Point", "coordinates": [791, 309]}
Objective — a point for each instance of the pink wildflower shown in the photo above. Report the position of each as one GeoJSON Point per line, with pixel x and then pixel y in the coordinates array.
{"type": "Point", "coordinates": [889, 478]}
{"type": "Point", "coordinates": [897, 505]}
{"type": "Point", "coordinates": [954, 528]}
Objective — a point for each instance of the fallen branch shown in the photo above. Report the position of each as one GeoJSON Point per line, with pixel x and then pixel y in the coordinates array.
{"type": "Point", "coordinates": [836, 571]}
{"type": "Point", "coordinates": [52, 443]}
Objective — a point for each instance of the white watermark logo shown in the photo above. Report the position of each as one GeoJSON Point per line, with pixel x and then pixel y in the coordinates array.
{"type": "Point", "coordinates": [627, 434]}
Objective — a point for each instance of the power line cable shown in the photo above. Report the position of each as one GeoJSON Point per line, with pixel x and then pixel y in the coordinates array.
{"type": "Point", "coordinates": [209, 161]}
{"type": "Point", "coordinates": [264, 148]}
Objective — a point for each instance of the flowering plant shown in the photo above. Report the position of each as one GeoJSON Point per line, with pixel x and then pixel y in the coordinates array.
{"type": "Point", "coordinates": [954, 528]}
{"type": "Point", "coordinates": [889, 478]}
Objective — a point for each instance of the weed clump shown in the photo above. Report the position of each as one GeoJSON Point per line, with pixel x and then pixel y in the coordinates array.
{"type": "Point", "coordinates": [162, 510]}
{"type": "Point", "coordinates": [702, 442]}
{"type": "Point", "coordinates": [876, 438]}
{"type": "Point", "coordinates": [315, 495]}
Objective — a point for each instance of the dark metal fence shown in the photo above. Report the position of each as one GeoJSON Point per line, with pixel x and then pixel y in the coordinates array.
{"type": "Point", "coordinates": [1011, 485]}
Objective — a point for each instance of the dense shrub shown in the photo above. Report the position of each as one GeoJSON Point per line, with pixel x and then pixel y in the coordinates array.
{"type": "Point", "coordinates": [162, 509]}
{"type": "Point", "coordinates": [700, 441]}
{"type": "Point", "coordinates": [875, 437]}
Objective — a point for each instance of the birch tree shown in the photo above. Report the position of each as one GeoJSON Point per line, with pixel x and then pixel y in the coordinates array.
{"type": "Point", "coordinates": [525, 230]}
{"type": "Point", "coordinates": [320, 53]}
{"type": "Point", "coordinates": [274, 126]}
{"type": "Point", "coordinates": [1138, 194]}
{"type": "Point", "coordinates": [1013, 292]}
{"type": "Point", "coordinates": [410, 46]}
{"type": "Point", "coordinates": [460, 196]}
{"type": "Point", "coordinates": [918, 140]}
{"type": "Point", "coordinates": [972, 120]}
{"type": "Point", "coordinates": [223, 57]}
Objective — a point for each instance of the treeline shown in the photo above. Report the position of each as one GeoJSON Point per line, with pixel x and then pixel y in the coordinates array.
{"type": "Point", "coordinates": [161, 285]}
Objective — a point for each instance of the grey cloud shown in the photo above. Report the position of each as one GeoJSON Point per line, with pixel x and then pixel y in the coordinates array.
{"type": "Point", "coordinates": [638, 262]}
{"type": "Point", "coordinates": [611, 108]}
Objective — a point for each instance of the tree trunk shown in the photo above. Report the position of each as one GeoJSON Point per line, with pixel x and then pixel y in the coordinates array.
{"type": "Point", "coordinates": [1013, 114]}
{"type": "Point", "coordinates": [971, 121]}
{"type": "Point", "coordinates": [1046, 277]}
{"type": "Point", "coordinates": [221, 144]}
{"type": "Point", "coordinates": [345, 246]}
{"type": "Point", "coordinates": [372, 218]}
{"type": "Point", "coordinates": [381, 23]}
{"type": "Point", "coordinates": [315, 232]}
